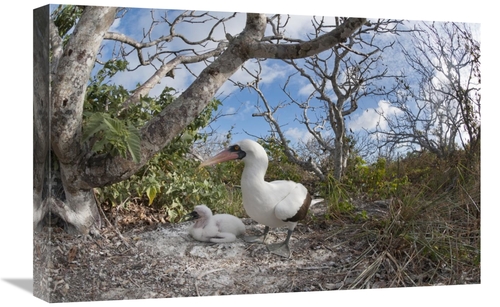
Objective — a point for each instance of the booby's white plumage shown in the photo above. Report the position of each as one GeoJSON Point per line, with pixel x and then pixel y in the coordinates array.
{"type": "Point", "coordinates": [274, 204]}
{"type": "Point", "coordinates": [219, 228]}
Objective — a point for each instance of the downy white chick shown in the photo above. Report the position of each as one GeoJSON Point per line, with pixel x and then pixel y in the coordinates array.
{"type": "Point", "coordinates": [219, 228]}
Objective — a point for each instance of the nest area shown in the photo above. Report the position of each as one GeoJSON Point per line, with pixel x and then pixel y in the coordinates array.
{"type": "Point", "coordinates": [145, 258]}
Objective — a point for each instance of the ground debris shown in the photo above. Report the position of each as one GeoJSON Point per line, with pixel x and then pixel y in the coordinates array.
{"type": "Point", "coordinates": [163, 261]}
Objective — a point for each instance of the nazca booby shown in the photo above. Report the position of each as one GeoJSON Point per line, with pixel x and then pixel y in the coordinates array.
{"type": "Point", "coordinates": [219, 228]}
{"type": "Point", "coordinates": [280, 203]}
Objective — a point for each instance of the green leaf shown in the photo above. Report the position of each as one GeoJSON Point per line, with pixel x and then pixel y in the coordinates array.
{"type": "Point", "coordinates": [151, 193]}
{"type": "Point", "coordinates": [93, 125]}
{"type": "Point", "coordinates": [115, 126]}
{"type": "Point", "coordinates": [99, 145]}
{"type": "Point", "coordinates": [134, 143]}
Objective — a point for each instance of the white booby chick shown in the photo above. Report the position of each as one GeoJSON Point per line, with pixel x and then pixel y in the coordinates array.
{"type": "Point", "coordinates": [280, 203]}
{"type": "Point", "coordinates": [219, 228]}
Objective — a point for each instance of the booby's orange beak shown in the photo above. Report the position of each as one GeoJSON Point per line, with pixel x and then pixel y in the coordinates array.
{"type": "Point", "coordinates": [224, 155]}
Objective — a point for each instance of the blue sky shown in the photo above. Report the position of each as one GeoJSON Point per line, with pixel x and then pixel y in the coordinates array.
{"type": "Point", "coordinates": [245, 102]}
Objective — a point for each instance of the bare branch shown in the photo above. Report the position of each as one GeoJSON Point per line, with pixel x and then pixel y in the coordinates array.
{"type": "Point", "coordinates": [164, 70]}
{"type": "Point", "coordinates": [305, 49]}
{"type": "Point", "coordinates": [268, 115]}
{"type": "Point", "coordinates": [446, 100]}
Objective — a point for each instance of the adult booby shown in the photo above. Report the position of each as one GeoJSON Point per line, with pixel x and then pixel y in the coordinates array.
{"type": "Point", "coordinates": [219, 228]}
{"type": "Point", "coordinates": [280, 203]}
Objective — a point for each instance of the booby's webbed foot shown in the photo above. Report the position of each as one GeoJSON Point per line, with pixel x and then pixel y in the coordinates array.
{"type": "Point", "coordinates": [280, 249]}
{"type": "Point", "coordinates": [258, 238]}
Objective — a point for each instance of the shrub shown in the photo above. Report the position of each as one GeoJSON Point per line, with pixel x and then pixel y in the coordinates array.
{"type": "Point", "coordinates": [170, 180]}
{"type": "Point", "coordinates": [374, 181]}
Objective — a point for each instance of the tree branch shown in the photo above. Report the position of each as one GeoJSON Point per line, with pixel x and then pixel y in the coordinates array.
{"type": "Point", "coordinates": [305, 49]}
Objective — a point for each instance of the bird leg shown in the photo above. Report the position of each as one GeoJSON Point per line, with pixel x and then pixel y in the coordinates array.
{"type": "Point", "coordinates": [252, 239]}
{"type": "Point", "coordinates": [281, 249]}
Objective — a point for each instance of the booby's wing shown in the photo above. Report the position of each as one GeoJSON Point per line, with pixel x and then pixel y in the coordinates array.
{"type": "Point", "coordinates": [293, 202]}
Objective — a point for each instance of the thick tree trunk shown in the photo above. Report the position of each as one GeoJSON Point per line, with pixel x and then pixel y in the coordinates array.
{"type": "Point", "coordinates": [78, 210]}
{"type": "Point", "coordinates": [58, 105]}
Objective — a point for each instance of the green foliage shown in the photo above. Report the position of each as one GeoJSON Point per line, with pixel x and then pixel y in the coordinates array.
{"type": "Point", "coordinates": [172, 183]}
{"type": "Point", "coordinates": [432, 225]}
{"type": "Point", "coordinates": [427, 171]}
{"type": "Point", "coordinates": [65, 18]}
{"type": "Point", "coordinates": [113, 135]}
{"type": "Point", "coordinates": [170, 180]}
{"type": "Point", "coordinates": [102, 127]}
{"type": "Point", "coordinates": [375, 181]}
{"type": "Point", "coordinates": [104, 97]}
{"type": "Point", "coordinates": [337, 197]}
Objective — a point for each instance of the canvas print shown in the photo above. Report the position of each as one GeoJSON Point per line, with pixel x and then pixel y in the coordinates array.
{"type": "Point", "coordinates": [208, 153]}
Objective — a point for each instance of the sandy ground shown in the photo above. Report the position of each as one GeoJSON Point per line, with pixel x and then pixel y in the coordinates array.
{"type": "Point", "coordinates": [161, 260]}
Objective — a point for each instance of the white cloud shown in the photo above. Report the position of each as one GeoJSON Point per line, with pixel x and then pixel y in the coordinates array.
{"type": "Point", "coordinates": [371, 118]}
{"type": "Point", "coordinates": [241, 112]}
{"type": "Point", "coordinates": [115, 25]}
{"type": "Point", "coordinates": [299, 26]}
{"type": "Point", "coordinates": [306, 90]}
{"type": "Point", "coordinates": [298, 134]}
{"type": "Point", "coordinates": [271, 71]}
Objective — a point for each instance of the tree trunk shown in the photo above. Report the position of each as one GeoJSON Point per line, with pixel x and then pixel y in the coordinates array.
{"type": "Point", "coordinates": [78, 209]}
{"type": "Point", "coordinates": [57, 116]}
{"type": "Point", "coordinates": [338, 125]}
{"type": "Point", "coordinates": [338, 156]}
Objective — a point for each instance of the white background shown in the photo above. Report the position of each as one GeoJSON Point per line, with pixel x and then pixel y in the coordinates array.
{"type": "Point", "coordinates": [16, 152]}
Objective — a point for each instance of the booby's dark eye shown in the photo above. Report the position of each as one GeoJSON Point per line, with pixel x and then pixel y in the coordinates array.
{"type": "Point", "coordinates": [237, 149]}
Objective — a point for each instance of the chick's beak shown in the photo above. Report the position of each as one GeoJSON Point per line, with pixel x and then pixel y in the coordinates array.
{"type": "Point", "coordinates": [190, 216]}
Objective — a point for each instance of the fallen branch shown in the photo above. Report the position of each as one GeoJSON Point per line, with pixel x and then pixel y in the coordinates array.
{"type": "Point", "coordinates": [109, 223]}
